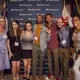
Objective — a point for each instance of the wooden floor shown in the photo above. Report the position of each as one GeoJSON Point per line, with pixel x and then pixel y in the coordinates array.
{"type": "Point", "coordinates": [71, 76]}
{"type": "Point", "coordinates": [8, 77]}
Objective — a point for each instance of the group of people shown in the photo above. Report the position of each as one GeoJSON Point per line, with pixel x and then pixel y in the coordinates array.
{"type": "Point", "coordinates": [34, 41]}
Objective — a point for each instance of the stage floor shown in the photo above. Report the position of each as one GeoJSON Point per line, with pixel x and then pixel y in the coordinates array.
{"type": "Point", "coordinates": [71, 76]}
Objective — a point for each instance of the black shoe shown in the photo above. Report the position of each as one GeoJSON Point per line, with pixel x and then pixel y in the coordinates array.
{"type": "Point", "coordinates": [27, 79]}
{"type": "Point", "coordinates": [24, 78]}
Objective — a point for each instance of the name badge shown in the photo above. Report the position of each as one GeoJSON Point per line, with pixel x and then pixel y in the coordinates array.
{"type": "Point", "coordinates": [64, 42]}
{"type": "Point", "coordinates": [36, 38]}
{"type": "Point", "coordinates": [16, 44]}
{"type": "Point", "coordinates": [4, 36]}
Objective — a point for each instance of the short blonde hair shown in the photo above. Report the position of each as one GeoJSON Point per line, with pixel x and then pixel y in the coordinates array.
{"type": "Point", "coordinates": [2, 17]}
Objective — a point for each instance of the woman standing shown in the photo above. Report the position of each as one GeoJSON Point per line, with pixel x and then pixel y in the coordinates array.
{"type": "Point", "coordinates": [76, 40]}
{"type": "Point", "coordinates": [14, 48]}
{"type": "Point", "coordinates": [4, 60]}
{"type": "Point", "coordinates": [27, 44]}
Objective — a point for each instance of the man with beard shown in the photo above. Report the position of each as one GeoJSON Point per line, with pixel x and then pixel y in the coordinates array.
{"type": "Point", "coordinates": [41, 36]}
{"type": "Point", "coordinates": [64, 48]}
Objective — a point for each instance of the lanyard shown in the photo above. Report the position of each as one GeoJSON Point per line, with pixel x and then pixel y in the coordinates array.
{"type": "Point", "coordinates": [16, 38]}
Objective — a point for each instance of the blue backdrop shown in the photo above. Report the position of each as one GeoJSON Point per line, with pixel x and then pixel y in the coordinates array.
{"type": "Point", "coordinates": [24, 10]}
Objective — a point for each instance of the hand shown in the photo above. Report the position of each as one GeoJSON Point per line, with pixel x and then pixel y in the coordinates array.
{"type": "Point", "coordinates": [48, 31]}
{"type": "Point", "coordinates": [72, 51]}
{"type": "Point", "coordinates": [10, 55]}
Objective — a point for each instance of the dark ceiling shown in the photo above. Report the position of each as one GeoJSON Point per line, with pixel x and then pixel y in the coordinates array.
{"type": "Point", "coordinates": [71, 1]}
{"type": "Point", "coordinates": [2, 0]}
{"type": "Point", "coordinates": [67, 1]}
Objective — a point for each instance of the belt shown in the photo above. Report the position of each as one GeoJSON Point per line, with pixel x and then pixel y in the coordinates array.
{"type": "Point", "coordinates": [64, 47]}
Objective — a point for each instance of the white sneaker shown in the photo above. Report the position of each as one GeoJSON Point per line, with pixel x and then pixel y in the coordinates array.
{"type": "Point", "coordinates": [47, 78]}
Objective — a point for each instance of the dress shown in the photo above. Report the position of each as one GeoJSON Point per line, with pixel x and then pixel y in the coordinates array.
{"type": "Point", "coordinates": [27, 45]}
{"type": "Point", "coordinates": [76, 68]}
{"type": "Point", "coordinates": [15, 49]}
{"type": "Point", "coordinates": [4, 60]}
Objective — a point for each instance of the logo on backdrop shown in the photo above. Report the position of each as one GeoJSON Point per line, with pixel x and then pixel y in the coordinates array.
{"type": "Point", "coordinates": [24, 10]}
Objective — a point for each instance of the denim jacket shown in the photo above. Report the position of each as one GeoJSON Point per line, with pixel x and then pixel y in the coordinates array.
{"type": "Point", "coordinates": [44, 38]}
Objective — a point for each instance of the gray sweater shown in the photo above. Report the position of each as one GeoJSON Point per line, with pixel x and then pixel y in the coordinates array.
{"type": "Point", "coordinates": [44, 38]}
{"type": "Point", "coordinates": [27, 42]}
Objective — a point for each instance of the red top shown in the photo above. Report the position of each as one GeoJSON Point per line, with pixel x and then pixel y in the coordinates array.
{"type": "Point", "coordinates": [53, 43]}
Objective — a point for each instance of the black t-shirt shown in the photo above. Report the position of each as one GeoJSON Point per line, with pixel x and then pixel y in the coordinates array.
{"type": "Point", "coordinates": [13, 40]}
{"type": "Point", "coordinates": [71, 34]}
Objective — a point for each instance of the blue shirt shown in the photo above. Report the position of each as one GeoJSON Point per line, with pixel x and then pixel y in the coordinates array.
{"type": "Point", "coordinates": [64, 40]}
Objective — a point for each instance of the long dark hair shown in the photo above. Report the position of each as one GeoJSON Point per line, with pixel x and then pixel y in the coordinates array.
{"type": "Point", "coordinates": [27, 23]}
{"type": "Point", "coordinates": [18, 30]}
{"type": "Point", "coordinates": [77, 15]}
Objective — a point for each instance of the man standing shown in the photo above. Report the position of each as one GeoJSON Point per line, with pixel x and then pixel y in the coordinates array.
{"type": "Point", "coordinates": [40, 44]}
{"type": "Point", "coordinates": [64, 48]}
{"type": "Point", "coordinates": [52, 46]}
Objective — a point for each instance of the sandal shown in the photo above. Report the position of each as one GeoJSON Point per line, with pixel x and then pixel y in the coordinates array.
{"type": "Point", "coordinates": [13, 78]}
{"type": "Point", "coordinates": [28, 76]}
{"type": "Point", "coordinates": [17, 78]}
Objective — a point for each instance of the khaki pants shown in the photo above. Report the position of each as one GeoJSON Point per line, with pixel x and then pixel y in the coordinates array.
{"type": "Point", "coordinates": [56, 61]}
{"type": "Point", "coordinates": [64, 54]}
{"type": "Point", "coordinates": [37, 53]}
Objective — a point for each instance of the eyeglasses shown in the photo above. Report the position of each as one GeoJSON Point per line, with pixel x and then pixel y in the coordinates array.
{"type": "Point", "coordinates": [59, 22]}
